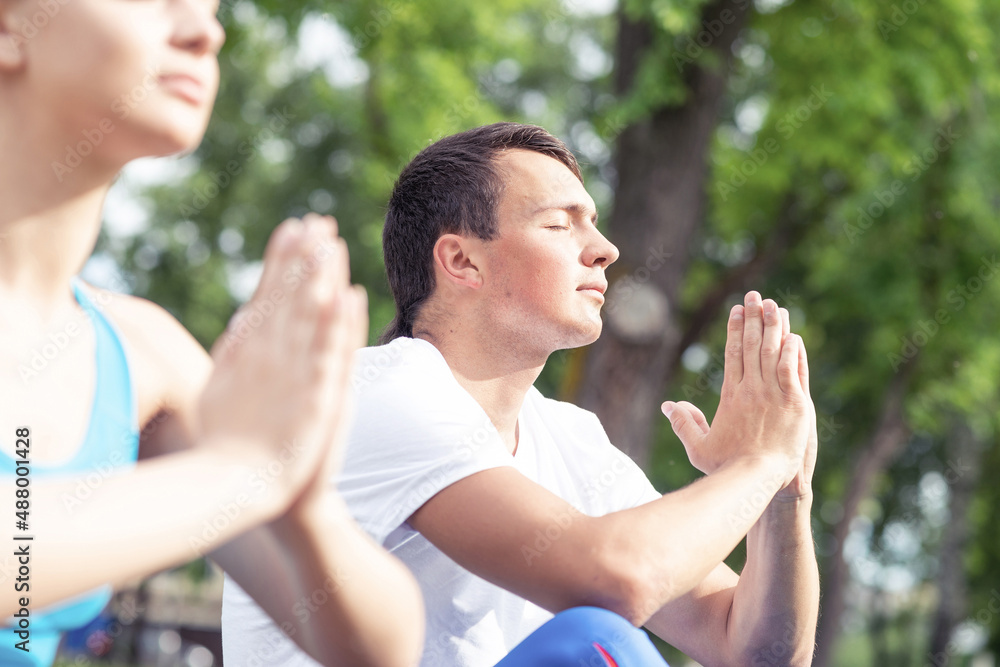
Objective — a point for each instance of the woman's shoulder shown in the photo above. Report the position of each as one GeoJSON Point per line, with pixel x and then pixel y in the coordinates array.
{"type": "Point", "coordinates": [168, 366]}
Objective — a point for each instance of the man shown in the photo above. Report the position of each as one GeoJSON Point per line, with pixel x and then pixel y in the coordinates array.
{"type": "Point", "coordinates": [498, 499]}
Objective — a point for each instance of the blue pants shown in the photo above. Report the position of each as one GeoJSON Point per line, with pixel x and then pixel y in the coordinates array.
{"type": "Point", "coordinates": [585, 637]}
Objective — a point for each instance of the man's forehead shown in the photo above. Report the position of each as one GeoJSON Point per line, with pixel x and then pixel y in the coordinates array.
{"type": "Point", "coordinates": [535, 182]}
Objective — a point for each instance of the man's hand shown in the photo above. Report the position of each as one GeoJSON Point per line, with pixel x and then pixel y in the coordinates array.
{"type": "Point", "coordinates": [801, 485]}
{"type": "Point", "coordinates": [765, 410]}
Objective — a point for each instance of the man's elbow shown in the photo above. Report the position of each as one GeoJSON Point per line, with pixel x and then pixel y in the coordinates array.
{"type": "Point", "coordinates": [781, 653]}
{"type": "Point", "coordinates": [630, 591]}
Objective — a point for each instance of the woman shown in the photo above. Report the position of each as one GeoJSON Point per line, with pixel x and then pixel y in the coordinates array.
{"type": "Point", "coordinates": [86, 88]}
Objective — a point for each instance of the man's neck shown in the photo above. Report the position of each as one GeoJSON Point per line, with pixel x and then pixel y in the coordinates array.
{"type": "Point", "coordinates": [497, 375]}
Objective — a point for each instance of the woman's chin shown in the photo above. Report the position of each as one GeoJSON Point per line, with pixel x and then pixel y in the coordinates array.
{"type": "Point", "coordinates": [176, 142]}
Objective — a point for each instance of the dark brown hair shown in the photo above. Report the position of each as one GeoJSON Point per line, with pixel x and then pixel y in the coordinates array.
{"type": "Point", "coordinates": [451, 187]}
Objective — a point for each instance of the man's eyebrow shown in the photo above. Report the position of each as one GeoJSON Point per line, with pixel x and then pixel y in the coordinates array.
{"type": "Point", "coordinates": [571, 208]}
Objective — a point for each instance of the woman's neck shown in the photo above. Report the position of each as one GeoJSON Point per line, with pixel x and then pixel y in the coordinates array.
{"type": "Point", "coordinates": [49, 222]}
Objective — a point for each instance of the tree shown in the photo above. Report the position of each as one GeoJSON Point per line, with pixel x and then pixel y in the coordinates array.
{"type": "Point", "coordinates": [839, 156]}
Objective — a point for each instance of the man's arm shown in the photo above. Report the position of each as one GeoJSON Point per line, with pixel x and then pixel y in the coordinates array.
{"type": "Point", "coordinates": [781, 575]}
{"type": "Point", "coordinates": [765, 616]}
{"type": "Point", "coordinates": [668, 551]}
{"type": "Point", "coordinates": [632, 562]}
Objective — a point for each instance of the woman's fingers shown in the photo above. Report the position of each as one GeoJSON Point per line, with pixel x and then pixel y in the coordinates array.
{"type": "Point", "coordinates": [803, 368]}
{"type": "Point", "coordinates": [753, 335]}
{"type": "Point", "coordinates": [770, 346]}
{"type": "Point", "coordinates": [788, 365]}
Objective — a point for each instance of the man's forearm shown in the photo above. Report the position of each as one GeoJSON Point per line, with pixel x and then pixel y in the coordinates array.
{"type": "Point", "coordinates": [776, 603]}
{"type": "Point", "coordinates": [354, 603]}
{"type": "Point", "coordinates": [673, 543]}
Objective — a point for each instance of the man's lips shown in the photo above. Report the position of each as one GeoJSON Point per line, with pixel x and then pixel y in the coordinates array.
{"type": "Point", "coordinates": [184, 86]}
{"type": "Point", "coordinates": [597, 290]}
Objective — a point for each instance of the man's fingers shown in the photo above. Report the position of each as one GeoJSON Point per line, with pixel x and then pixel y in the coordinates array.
{"type": "Point", "coordinates": [697, 415]}
{"type": "Point", "coordinates": [753, 333]}
{"type": "Point", "coordinates": [683, 423]}
{"type": "Point", "coordinates": [786, 326]}
{"type": "Point", "coordinates": [803, 367]}
{"type": "Point", "coordinates": [788, 371]}
{"type": "Point", "coordinates": [734, 348]}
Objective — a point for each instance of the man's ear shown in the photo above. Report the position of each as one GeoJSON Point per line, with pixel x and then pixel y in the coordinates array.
{"type": "Point", "coordinates": [452, 258]}
{"type": "Point", "coordinates": [12, 42]}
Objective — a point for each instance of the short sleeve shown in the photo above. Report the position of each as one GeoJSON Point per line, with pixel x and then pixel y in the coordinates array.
{"type": "Point", "coordinates": [630, 487]}
{"type": "Point", "coordinates": [608, 480]}
{"type": "Point", "coordinates": [415, 432]}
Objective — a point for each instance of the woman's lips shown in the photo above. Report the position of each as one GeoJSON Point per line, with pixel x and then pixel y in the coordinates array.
{"type": "Point", "coordinates": [184, 86]}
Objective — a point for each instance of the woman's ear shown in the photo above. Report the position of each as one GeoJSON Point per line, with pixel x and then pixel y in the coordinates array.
{"type": "Point", "coordinates": [12, 40]}
{"type": "Point", "coordinates": [452, 258]}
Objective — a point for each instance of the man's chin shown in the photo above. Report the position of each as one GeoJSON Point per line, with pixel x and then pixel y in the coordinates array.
{"type": "Point", "coordinates": [583, 336]}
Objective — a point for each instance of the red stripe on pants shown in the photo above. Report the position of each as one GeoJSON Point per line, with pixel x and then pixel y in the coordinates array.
{"type": "Point", "coordinates": [604, 654]}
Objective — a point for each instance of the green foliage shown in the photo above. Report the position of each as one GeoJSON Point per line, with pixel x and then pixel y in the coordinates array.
{"type": "Point", "coordinates": [827, 136]}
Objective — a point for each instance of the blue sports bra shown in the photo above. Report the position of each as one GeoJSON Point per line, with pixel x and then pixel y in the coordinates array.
{"type": "Point", "coordinates": [112, 440]}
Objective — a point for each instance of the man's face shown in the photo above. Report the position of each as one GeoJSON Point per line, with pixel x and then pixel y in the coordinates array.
{"type": "Point", "coordinates": [545, 272]}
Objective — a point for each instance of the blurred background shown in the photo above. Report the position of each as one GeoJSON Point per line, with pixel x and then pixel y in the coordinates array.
{"type": "Point", "coordinates": [839, 156]}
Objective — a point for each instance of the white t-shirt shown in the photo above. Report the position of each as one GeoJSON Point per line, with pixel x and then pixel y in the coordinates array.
{"type": "Point", "coordinates": [415, 432]}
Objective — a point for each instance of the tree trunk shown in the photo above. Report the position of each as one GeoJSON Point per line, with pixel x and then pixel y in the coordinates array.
{"type": "Point", "coordinates": [962, 475]}
{"type": "Point", "coordinates": [886, 443]}
{"type": "Point", "coordinates": [661, 164]}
